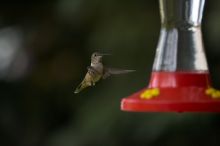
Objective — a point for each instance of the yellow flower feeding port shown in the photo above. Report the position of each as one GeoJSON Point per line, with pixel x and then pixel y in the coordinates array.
{"type": "Point", "coordinates": [150, 93]}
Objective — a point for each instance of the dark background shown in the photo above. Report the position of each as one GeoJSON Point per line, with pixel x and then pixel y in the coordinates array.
{"type": "Point", "coordinates": [45, 47]}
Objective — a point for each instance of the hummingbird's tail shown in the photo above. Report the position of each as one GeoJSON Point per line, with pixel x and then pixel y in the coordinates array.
{"type": "Point", "coordinates": [81, 86]}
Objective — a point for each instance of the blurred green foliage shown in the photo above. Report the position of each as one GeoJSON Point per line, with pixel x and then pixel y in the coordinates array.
{"type": "Point", "coordinates": [39, 107]}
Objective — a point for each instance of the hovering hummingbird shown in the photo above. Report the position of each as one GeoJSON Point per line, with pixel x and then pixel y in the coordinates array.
{"type": "Point", "coordinates": [97, 71]}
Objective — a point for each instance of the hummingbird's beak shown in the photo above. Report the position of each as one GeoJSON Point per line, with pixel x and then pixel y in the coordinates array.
{"type": "Point", "coordinates": [104, 54]}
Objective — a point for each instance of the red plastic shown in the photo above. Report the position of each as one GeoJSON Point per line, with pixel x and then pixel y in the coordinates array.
{"type": "Point", "coordinates": [179, 92]}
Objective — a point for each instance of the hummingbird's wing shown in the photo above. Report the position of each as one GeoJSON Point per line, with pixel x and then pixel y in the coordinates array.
{"type": "Point", "coordinates": [114, 71]}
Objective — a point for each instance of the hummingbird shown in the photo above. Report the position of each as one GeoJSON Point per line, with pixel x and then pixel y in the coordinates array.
{"type": "Point", "coordinates": [97, 71]}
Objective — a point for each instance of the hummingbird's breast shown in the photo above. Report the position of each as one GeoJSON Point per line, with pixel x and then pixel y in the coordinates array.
{"type": "Point", "coordinates": [99, 71]}
{"type": "Point", "coordinates": [98, 67]}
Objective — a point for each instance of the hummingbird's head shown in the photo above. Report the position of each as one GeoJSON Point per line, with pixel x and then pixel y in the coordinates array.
{"type": "Point", "coordinates": [97, 57]}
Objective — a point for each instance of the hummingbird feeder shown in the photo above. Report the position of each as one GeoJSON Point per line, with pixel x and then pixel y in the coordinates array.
{"type": "Point", "coordinates": [180, 80]}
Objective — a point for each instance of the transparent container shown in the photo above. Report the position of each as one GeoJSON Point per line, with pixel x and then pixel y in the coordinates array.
{"type": "Point", "coordinates": [180, 46]}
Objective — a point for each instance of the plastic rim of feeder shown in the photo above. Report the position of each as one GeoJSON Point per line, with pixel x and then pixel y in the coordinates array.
{"type": "Point", "coordinates": [180, 79]}
{"type": "Point", "coordinates": [188, 92]}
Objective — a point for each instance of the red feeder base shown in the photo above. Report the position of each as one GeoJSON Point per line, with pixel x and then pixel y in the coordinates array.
{"type": "Point", "coordinates": [177, 92]}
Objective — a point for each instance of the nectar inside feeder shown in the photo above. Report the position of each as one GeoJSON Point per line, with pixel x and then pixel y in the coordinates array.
{"type": "Point", "coordinates": [180, 78]}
